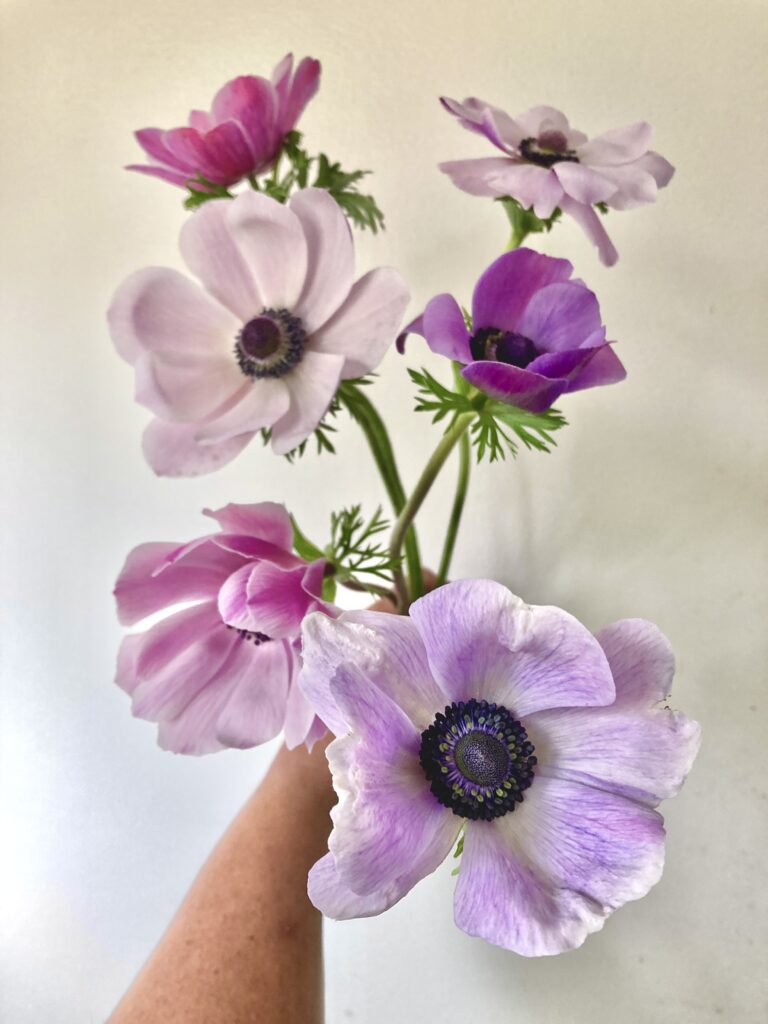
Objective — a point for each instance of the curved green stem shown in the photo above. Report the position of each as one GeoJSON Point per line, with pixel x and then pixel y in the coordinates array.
{"type": "Point", "coordinates": [451, 437]}
{"type": "Point", "coordinates": [362, 409]}
{"type": "Point", "coordinates": [458, 507]}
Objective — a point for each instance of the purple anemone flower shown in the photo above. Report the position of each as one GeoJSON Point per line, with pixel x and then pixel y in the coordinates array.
{"type": "Point", "coordinates": [278, 322]}
{"type": "Point", "coordinates": [243, 133]}
{"type": "Point", "coordinates": [535, 333]}
{"type": "Point", "coordinates": [546, 164]}
{"type": "Point", "coordinates": [222, 670]}
{"type": "Point", "coordinates": [547, 748]}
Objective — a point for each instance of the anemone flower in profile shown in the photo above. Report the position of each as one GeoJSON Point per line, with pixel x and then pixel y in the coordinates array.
{"type": "Point", "coordinates": [220, 671]}
{"type": "Point", "coordinates": [547, 165]}
{"type": "Point", "coordinates": [240, 136]}
{"type": "Point", "coordinates": [545, 748]}
{"type": "Point", "coordinates": [535, 335]}
{"type": "Point", "coordinates": [263, 342]}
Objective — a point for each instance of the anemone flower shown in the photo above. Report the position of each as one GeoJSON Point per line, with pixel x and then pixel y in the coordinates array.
{"type": "Point", "coordinates": [242, 135]}
{"type": "Point", "coordinates": [535, 332]}
{"type": "Point", "coordinates": [547, 165]}
{"type": "Point", "coordinates": [545, 747]}
{"type": "Point", "coordinates": [220, 672]}
{"type": "Point", "coordinates": [278, 322]}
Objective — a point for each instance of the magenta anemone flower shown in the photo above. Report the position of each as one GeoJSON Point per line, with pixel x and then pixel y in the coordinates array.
{"type": "Point", "coordinates": [535, 333]}
{"type": "Point", "coordinates": [546, 747]}
{"type": "Point", "coordinates": [220, 672]}
{"type": "Point", "coordinates": [549, 165]}
{"type": "Point", "coordinates": [278, 322]}
{"type": "Point", "coordinates": [245, 130]}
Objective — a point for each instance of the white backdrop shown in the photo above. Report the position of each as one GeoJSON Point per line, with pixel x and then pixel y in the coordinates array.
{"type": "Point", "coordinates": [654, 504]}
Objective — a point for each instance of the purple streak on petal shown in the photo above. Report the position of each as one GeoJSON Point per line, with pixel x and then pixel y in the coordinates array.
{"type": "Point", "coordinates": [506, 287]}
{"type": "Point", "coordinates": [561, 316]}
{"type": "Point", "coordinates": [416, 326]}
{"type": "Point", "coordinates": [443, 326]}
{"type": "Point", "coordinates": [510, 384]}
{"type": "Point", "coordinates": [592, 226]}
{"type": "Point", "coordinates": [484, 642]}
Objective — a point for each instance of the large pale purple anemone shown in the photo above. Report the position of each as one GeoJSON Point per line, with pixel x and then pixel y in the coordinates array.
{"type": "Point", "coordinates": [535, 332]}
{"type": "Point", "coordinates": [243, 133]}
{"type": "Point", "coordinates": [222, 671]}
{"type": "Point", "coordinates": [546, 164]}
{"type": "Point", "coordinates": [583, 837]}
{"type": "Point", "coordinates": [278, 323]}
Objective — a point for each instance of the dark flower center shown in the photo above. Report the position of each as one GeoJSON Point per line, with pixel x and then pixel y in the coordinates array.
{"type": "Point", "coordinates": [502, 347]}
{"type": "Point", "coordinates": [478, 759]}
{"type": "Point", "coordinates": [252, 636]}
{"type": "Point", "coordinates": [270, 344]}
{"type": "Point", "coordinates": [550, 148]}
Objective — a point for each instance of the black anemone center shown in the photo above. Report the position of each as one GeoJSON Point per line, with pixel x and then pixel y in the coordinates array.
{"type": "Point", "coordinates": [252, 636]}
{"type": "Point", "coordinates": [550, 148]}
{"type": "Point", "coordinates": [502, 347]}
{"type": "Point", "coordinates": [270, 344]}
{"type": "Point", "coordinates": [478, 759]}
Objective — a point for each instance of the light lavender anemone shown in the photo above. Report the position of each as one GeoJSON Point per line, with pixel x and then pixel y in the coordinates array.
{"type": "Point", "coordinates": [548, 746]}
{"type": "Point", "coordinates": [219, 667]}
{"type": "Point", "coordinates": [546, 164]}
{"type": "Point", "coordinates": [278, 322]}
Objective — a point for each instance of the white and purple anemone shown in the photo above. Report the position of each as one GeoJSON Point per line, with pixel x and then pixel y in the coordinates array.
{"type": "Point", "coordinates": [241, 135]}
{"type": "Point", "coordinates": [547, 165]}
{"type": "Point", "coordinates": [278, 322]}
{"type": "Point", "coordinates": [222, 671]}
{"type": "Point", "coordinates": [536, 333]}
{"type": "Point", "coordinates": [549, 747]}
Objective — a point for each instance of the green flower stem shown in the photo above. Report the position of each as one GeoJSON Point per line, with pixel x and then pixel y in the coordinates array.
{"type": "Point", "coordinates": [516, 238]}
{"type": "Point", "coordinates": [448, 441]}
{"type": "Point", "coordinates": [362, 409]}
{"type": "Point", "coordinates": [458, 507]}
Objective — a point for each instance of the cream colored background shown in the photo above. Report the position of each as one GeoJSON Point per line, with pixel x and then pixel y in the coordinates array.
{"type": "Point", "coordinates": [653, 505]}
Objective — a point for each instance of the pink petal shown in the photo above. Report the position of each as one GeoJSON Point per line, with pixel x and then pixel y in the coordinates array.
{"type": "Point", "coordinates": [302, 88]}
{"type": "Point", "coordinates": [189, 148]}
{"type": "Point", "coordinates": [261, 404]}
{"type": "Point", "coordinates": [584, 184]}
{"type": "Point", "coordinates": [299, 717]}
{"type": "Point", "coordinates": [271, 239]}
{"type": "Point", "coordinates": [152, 141]}
{"type": "Point", "coordinates": [591, 225]}
{"type": "Point", "coordinates": [367, 323]}
{"type": "Point", "coordinates": [617, 146]}
{"type": "Point", "coordinates": [265, 599]}
{"type": "Point", "coordinates": [539, 119]}
{"type": "Point", "coordinates": [259, 677]}
{"type": "Point", "coordinates": [229, 151]}
{"type": "Point", "coordinates": [312, 385]}
{"type": "Point", "coordinates": [158, 310]}
{"type": "Point", "coordinates": [484, 642]}
{"type": "Point", "coordinates": [186, 392]}
{"type": "Point", "coordinates": [445, 330]}
{"type": "Point", "coordinates": [661, 169]}
{"type": "Point", "coordinates": [330, 256]}
{"type": "Point", "coordinates": [212, 255]}
{"type": "Point", "coordinates": [267, 520]}
{"type": "Point", "coordinates": [538, 187]}
{"type": "Point", "coordinates": [478, 177]}
{"type": "Point", "coordinates": [634, 186]}
{"type": "Point", "coordinates": [171, 450]}
{"type": "Point", "coordinates": [251, 101]}
{"type": "Point", "coordinates": [200, 120]}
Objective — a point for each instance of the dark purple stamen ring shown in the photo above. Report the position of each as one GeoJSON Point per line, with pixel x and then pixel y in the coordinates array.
{"type": "Point", "coordinates": [270, 344]}
{"type": "Point", "coordinates": [502, 347]}
{"type": "Point", "coordinates": [546, 151]}
{"type": "Point", "coordinates": [478, 759]}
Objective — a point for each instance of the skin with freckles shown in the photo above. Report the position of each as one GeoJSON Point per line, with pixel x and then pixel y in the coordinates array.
{"type": "Point", "coordinates": [246, 943]}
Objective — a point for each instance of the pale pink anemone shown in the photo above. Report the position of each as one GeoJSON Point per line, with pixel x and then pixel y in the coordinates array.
{"type": "Point", "coordinates": [548, 746]}
{"type": "Point", "coordinates": [278, 322]}
{"type": "Point", "coordinates": [549, 165]}
{"type": "Point", "coordinates": [221, 670]}
{"type": "Point", "coordinates": [243, 133]}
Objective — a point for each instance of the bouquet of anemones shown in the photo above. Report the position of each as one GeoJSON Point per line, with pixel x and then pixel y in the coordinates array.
{"type": "Point", "coordinates": [470, 722]}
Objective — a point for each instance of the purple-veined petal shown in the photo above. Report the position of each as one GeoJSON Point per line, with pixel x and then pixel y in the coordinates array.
{"type": "Point", "coordinates": [266, 520]}
{"type": "Point", "coordinates": [508, 284]}
{"type": "Point", "coordinates": [152, 141]}
{"type": "Point", "coordinates": [561, 316]}
{"type": "Point", "coordinates": [330, 256]}
{"type": "Point", "coordinates": [171, 449]}
{"type": "Point", "coordinates": [510, 384]}
{"type": "Point", "coordinates": [210, 252]}
{"type": "Point", "coordinates": [300, 90]}
{"type": "Point", "coordinates": [159, 310]}
{"type": "Point", "coordinates": [592, 226]}
{"type": "Point", "coordinates": [540, 880]}
{"type": "Point", "coordinates": [484, 642]}
{"type": "Point", "coordinates": [259, 677]}
{"type": "Point", "coordinates": [277, 601]}
{"type": "Point", "coordinates": [251, 101]}
{"type": "Point", "coordinates": [272, 241]}
{"type": "Point", "coordinates": [312, 385]}
{"type": "Point", "coordinates": [189, 148]}
{"type": "Point", "coordinates": [228, 149]}
{"type": "Point", "coordinates": [641, 660]}
{"type": "Point", "coordinates": [444, 328]}
{"type": "Point", "coordinates": [367, 322]}
{"type": "Point", "coordinates": [617, 146]}
{"type": "Point", "coordinates": [261, 403]}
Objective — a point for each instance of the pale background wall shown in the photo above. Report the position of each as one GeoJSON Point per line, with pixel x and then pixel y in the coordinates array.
{"type": "Point", "coordinates": [653, 505]}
